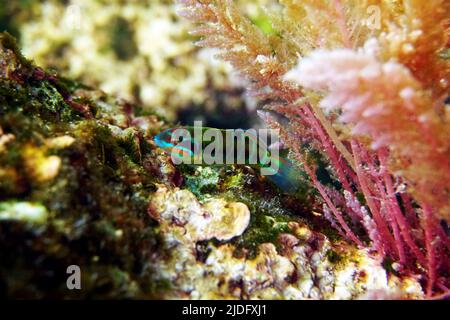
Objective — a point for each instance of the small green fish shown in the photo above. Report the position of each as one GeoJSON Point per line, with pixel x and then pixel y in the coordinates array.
{"type": "Point", "coordinates": [284, 173]}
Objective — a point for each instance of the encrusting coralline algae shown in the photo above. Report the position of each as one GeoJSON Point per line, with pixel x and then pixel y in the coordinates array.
{"type": "Point", "coordinates": [297, 266]}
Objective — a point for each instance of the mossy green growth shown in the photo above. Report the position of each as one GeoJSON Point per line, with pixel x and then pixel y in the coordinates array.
{"type": "Point", "coordinates": [92, 209]}
{"type": "Point", "coordinates": [202, 181]}
{"type": "Point", "coordinates": [48, 102]}
{"type": "Point", "coordinates": [262, 229]}
{"type": "Point", "coordinates": [25, 88]}
{"type": "Point", "coordinates": [334, 257]}
{"type": "Point", "coordinates": [264, 23]}
{"type": "Point", "coordinates": [269, 213]}
{"type": "Point", "coordinates": [269, 218]}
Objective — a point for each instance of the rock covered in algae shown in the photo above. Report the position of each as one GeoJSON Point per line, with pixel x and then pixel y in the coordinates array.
{"type": "Point", "coordinates": [81, 182]}
{"type": "Point", "coordinates": [215, 219]}
{"type": "Point", "coordinates": [74, 187]}
{"type": "Point", "coordinates": [301, 264]}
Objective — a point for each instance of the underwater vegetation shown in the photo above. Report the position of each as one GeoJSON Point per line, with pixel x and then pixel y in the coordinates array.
{"type": "Point", "coordinates": [245, 149]}
{"type": "Point", "coordinates": [358, 90]}
{"type": "Point", "coordinates": [364, 84]}
{"type": "Point", "coordinates": [83, 182]}
{"type": "Point", "coordinates": [73, 189]}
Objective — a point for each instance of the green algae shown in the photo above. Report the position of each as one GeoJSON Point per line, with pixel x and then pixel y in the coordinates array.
{"type": "Point", "coordinates": [269, 213]}
{"type": "Point", "coordinates": [202, 181]}
{"type": "Point", "coordinates": [92, 212]}
{"type": "Point", "coordinates": [96, 205]}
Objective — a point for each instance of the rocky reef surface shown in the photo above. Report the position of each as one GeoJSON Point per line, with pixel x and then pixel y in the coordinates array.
{"type": "Point", "coordinates": [82, 183]}
{"type": "Point", "coordinates": [139, 50]}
